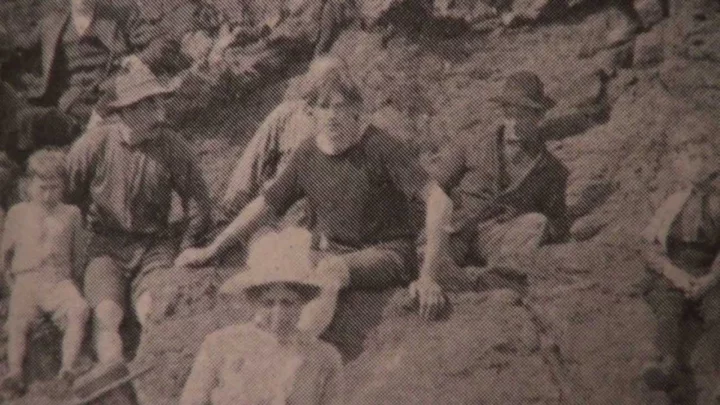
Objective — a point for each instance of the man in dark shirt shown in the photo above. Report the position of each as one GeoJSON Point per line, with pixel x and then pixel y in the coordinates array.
{"type": "Point", "coordinates": [508, 191]}
{"type": "Point", "coordinates": [126, 170]}
{"type": "Point", "coordinates": [358, 184]}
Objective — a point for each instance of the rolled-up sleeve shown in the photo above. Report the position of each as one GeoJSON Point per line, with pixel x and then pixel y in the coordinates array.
{"type": "Point", "coordinates": [248, 176]}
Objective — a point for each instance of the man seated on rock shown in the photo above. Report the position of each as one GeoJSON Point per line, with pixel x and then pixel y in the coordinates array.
{"type": "Point", "coordinates": [508, 191]}
{"type": "Point", "coordinates": [270, 149]}
{"type": "Point", "coordinates": [124, 172]}
{"type": "Point", "coordinates": [358, 183]}
{"type": "Point", "coordinates": [681, 252]}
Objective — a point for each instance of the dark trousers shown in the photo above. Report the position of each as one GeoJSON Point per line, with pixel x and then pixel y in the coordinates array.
{"type": "Point", "coordinates": [673, 312]}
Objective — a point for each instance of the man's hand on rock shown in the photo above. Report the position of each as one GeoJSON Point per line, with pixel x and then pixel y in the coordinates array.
{"type": "Point", "coordinates": [194, 257]}
{"type": "Point", "coordinates": [429, 296]}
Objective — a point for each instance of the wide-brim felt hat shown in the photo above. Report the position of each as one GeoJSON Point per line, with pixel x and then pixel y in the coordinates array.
{"type": "Point", "coordinates": [104, 379]}
{"type": "Point", "coordinates": [278, 258]}
{"type": "Point", "coordinates": [136, 82]}
{"type": "Point", "coordinates": [524, 89]}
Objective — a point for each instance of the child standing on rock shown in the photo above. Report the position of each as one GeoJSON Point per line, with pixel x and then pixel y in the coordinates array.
{"type": "Point", "coordinates": [681, 253]}
{"type": "Point", "coordinates": [268, 361]}
{"type": "Point", "coordinates": [38, 252]}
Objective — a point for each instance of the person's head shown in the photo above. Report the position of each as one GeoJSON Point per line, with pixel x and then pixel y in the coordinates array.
{"type": "Point", "coordinates": [279, 281]}
{"type": "Point", "coordinates": [138, 97]}
{"type": "Point", "coordinates": [524, 104]}
{"type": "Point", "coordinates": [46, 175]}
{"type": "Point", "coordinates": [278, 306]}
{"type": "Point", "coordinates": [692, 150]}
{"type": "Point", "coordinates": [335, 102]}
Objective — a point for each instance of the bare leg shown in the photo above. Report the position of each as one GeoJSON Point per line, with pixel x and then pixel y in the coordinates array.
{"type": "Point", "coordinates": [108, 343]}
{"type": "Point", "coordinates": [17, 345]}
{"type": "Point", "coordinates": [74, 336]}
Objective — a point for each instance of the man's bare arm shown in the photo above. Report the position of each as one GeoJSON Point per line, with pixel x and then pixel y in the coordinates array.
{"type": "Point", "coordinates": [252, 217]}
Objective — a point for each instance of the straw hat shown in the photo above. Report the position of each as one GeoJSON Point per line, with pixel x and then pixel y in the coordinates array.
{"type": "Point", "coordinates": [274, 258]}
{"type": "Point", "coordinates": [137, 82]}
{"type": "Point", "coordinates": [524, 89]}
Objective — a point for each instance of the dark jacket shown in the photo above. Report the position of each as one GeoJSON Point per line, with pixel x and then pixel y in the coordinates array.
{"type": "Point", "coordinates": [472, 177]}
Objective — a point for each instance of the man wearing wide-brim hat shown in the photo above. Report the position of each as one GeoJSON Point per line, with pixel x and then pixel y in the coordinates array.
{"type": "Point", "coordinates": [123, 172]}
{"type": "Point", "coordinates": [508, 191]}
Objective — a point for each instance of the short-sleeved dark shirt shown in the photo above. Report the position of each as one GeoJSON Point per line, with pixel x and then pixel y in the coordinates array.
{"type": "Point", "coordinates": [473, 177]}
{"type": "Point", "coordinates": [358, 198]}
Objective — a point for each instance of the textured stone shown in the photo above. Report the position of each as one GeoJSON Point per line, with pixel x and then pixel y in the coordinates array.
{"type": "Point", "coordinates": [650, 11]}
{"type": "Point", "coordinates": [649, 48]}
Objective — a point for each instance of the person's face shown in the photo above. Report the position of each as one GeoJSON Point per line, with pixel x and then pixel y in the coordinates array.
{"type": "Point", "coordinates": [692, 163]}
{"type": "Point", "coordinates": [521, 122]}
{"type": "Point", "coordinates": [48, 192]}
{"type": "Point", "coordinates": [278, 310]}
{"type": "Point", "coordinates": [146, 114]}
{"type": "Point", "coordinates": [338, 125]}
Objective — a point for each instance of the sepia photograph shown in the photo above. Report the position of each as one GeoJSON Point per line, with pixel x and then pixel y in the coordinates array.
{"type": "Point", "coordinates": [360, 202]}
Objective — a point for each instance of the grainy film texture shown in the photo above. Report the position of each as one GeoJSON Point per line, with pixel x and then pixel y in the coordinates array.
{"type": "Point", "coordinates": [359, 202]}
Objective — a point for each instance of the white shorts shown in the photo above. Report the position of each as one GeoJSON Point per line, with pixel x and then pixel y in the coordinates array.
{"type": "Point", "coordinates": [35, 294]}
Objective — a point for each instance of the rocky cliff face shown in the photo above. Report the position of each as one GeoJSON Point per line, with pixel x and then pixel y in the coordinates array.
{"type": "Point", "coordinates": [622, 71]}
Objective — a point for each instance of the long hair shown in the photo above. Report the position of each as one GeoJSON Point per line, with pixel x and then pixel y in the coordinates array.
{"type": "Point", "coordinates": [329, 76]}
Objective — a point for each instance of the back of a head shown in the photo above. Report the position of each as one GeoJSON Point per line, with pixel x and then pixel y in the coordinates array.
{"type": "Point", "coordinates": [326, 77]}
{"type": "Point", "coordinates": [47, 164]}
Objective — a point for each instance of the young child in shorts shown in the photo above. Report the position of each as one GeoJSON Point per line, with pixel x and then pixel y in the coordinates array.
{"type": "Point", "coordinates": [38, 250]}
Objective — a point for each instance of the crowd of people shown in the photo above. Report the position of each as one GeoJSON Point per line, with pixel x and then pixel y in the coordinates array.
{"type": "Point", "coordinates": [346, 188]}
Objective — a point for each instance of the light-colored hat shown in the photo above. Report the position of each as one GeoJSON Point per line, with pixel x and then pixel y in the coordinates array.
{"type": "Point", "coordinates": [524, 89]}
{"type": "Point", "coordinates": [137, 82]}
{"type": "Point", "coordinates": [278, 257]}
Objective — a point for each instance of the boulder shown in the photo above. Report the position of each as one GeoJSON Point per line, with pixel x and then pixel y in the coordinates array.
{"type": "Point", "coordinates": [612, 28]}
{"type": "Point", "coordinates": [649, 48]}
{"type": "Point", "coordinates": [371, 11]}
{"type": "Point", "coordinates": [650, 11]}
{"type": "Point", "coordinates": [611, 60]}
{"type": "Point", "coordinates": [470, 11]}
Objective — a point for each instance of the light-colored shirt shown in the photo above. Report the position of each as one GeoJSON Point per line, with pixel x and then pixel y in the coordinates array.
{"type": "Point", "coordinates": [243, 364]}
{"type": "Point", "coordinates": [42, 240]}
{"type": "Point", "coordinates": [269, 151]}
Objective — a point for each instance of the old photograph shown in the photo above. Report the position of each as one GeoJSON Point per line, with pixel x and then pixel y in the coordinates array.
{"type": "Point", "coordinates": [360, 202]}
